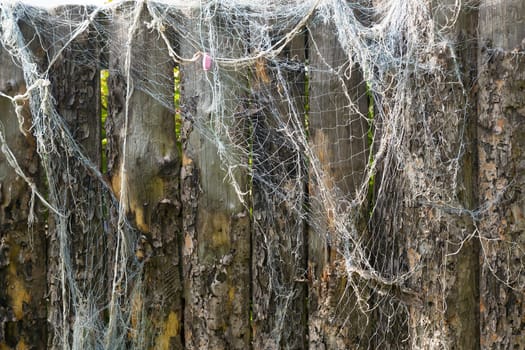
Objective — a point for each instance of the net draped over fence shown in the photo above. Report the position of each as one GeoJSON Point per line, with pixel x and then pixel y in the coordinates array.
{"type": "Point", "coordinates": [282, 174]}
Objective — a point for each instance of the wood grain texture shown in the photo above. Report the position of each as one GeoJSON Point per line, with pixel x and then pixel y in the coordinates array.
{"type": "Point", "coordinates": [217, 230]}
{"type": "Point", "coordinates": [448, 281]}
{"type": "Point", "coordinates": [22, 247]}
{"type": "Point", "coordinates": [502, 23]}
{"type": "Point", "coordinates": [501, 173]}
{"type": "Point", "coordinates": [338, 139]}
{"type": "Point", "coordinates": [279, 198]}
{"type": "Point", "coordinates": [433, 241]}
{"type": "Point", "coordinates": [78, 239]}
{"type": "Point", "coordinates": [149, 168]}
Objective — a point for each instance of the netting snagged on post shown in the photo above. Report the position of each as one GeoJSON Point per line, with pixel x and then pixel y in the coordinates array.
{"type": "Point", "coordinates": [335, 107]}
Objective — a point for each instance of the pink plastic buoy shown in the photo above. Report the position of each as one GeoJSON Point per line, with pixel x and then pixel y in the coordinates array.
{"type": "Point", "coordinates": [206, 61]}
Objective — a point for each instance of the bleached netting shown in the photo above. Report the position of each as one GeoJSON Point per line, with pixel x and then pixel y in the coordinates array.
{"type": "Point", "coordinates": [356, 114]}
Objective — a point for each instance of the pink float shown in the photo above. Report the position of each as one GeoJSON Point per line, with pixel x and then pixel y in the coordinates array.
{"type": "Point", "coordinates": [206, 61]}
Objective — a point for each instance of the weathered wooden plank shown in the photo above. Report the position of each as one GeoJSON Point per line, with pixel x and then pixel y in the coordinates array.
{"type": "Point", "coordinates": [338, 140]}
{"type": "Point", "coordinates": [144, 166]}
{"type": "Point", "coordinates": [279, 196]}
{"type": "Point", "coordinates": [434, 238]}
{"type": "Point", "coordinates": [76, 243]}
{"type": "Point", "coordinates": [502, 23]}
{"type": "Point", "coordinates": [501, 148]}
{"type": "Point", "coordinates": [23, 322]}
{"type": "Point", "coordinates": [216, 249]}
{"type": "Point", "coordinates": [462, 290]}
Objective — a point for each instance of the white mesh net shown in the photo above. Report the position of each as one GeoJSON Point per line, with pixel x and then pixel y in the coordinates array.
{"type": "Point", "coordinates": [329, 107]}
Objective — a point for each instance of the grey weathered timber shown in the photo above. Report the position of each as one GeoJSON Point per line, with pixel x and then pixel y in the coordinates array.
{"type": "Point", "coordinates": [462, 299]}
{"type": "Point", "coordinates": [501, 23]}
{"type": "Point", "coordinates": [216, 249]}
{"type": "Point", "coordinates": [279, 180]}
{"type": "Point", "coordinates": [334, 319]}
{"type": "Point", "coordinates": [501, 150]}
{"type": "Point", "coordinates": [74, 75]}
{"type": "Point", "coordinates": [23, 322]}
{"type": "Point", "coordinates": [436, 241]}
{"type": "Point", "coordinates": [144, 166]}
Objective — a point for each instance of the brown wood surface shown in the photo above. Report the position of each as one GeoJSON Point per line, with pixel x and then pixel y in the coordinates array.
{"type": "Point", "coordinates": [436, 240]}
{"type": "Point", "coordinates": [279, 183]}
{"type": "Point", "coordinates": [75, 242]}
{"type": "Point", "coordinates": [22, 246]}
{"type": "Point", "coordinates": [216, 250]}
{"type": "Point", "coordinates": [338, 139]}
{"type": "Point", "coordinates": [148, 168]}
{"type": "Point", "coordinates": [502, 173]}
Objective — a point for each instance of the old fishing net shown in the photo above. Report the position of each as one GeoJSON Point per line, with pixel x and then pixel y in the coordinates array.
{"type": "Point", "coordinates": [342, 115]}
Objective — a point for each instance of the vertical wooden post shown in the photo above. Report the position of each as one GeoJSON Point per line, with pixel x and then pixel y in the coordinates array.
{"type": "Point", "coordinates": [462, 292]}
{"type": "Point", "coordinates": [501, 150]}
{"type": "Point", "coordinates": [338, 139]}
{"type": "Point", "coordinates": [144, 166]}
{"type": "Point", "coordinates": [74, 76]}
{"type": "Point", "coordinates": [279, 184]}
{"type": "Point", "coordinates": [23, 322]}
{"type": "Point", "coordinates": [436, 240]}
{"type": "Point", "coordinates": [216, 224]}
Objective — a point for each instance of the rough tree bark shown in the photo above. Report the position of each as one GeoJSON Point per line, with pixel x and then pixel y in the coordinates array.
{"type": "Point", "coordinates": [74, 76]}
{"type": "Point", "coordinates": [339, 140]}
{"type": "Point", "coordinates": [216, 224]}
{"type": "Point", "coordinates": [502, 172]}
{"type": "Point", "coordinates": [462, 297]}
{"type": "Point", "coordinates": [23, 322]}
{"type": "Point", "coordinates": [148, 168]}
{"type": "Point", "coordinates": [279, 180]}
{"type": "Point", "coordinates": [435, 236]}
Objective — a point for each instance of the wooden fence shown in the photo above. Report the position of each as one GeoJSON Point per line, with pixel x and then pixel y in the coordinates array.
{"type": "Point", "coordinates": [203, 253]}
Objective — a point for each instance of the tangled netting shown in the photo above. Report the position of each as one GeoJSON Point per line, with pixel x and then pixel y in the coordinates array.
{"type": "Point", "coordinates": [348, 102]}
